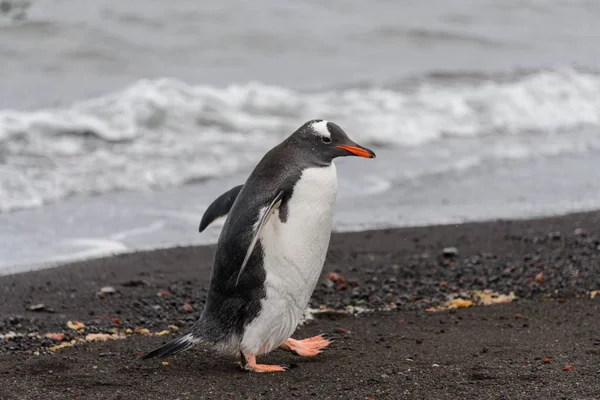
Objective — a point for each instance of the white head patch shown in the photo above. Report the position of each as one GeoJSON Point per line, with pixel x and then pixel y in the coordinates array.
{"type": "Point", "coordinates": [320, 128]}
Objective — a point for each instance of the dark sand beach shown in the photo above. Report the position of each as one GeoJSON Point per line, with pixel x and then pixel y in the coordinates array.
{"type": "Point", "coordinates": [544, 344]}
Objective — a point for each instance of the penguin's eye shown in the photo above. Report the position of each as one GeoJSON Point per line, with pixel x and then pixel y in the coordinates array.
{"type": "Point", "coordinates": [325, 139]}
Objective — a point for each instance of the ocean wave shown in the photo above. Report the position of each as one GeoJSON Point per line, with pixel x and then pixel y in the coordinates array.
{"type": "Point", "coordinates": [164, 132]}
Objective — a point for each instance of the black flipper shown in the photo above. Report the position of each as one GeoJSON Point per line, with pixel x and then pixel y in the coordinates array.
{"type": "Point", "coordinates": [261, 222]}
{"type": "Point", "coordinates": [220, 207]}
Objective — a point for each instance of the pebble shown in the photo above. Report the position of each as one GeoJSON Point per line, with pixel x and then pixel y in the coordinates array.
{"type": "Point", "coordinates": [450, 252]}
{"type": "Point", "coordinates": [108, 290]}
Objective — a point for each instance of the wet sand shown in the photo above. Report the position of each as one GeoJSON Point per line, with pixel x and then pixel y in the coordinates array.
{"type": "Point", "coordinates": [544, 344]}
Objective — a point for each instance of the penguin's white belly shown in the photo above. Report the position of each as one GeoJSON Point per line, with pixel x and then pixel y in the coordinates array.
{"type": "Point", "coordinates": [294, 254]}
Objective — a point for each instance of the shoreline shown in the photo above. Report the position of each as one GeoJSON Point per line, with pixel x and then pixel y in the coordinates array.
{"type": "Point", "coordinates": [552, 265]}
{"type": "Point", "coordinates": [65, 261]}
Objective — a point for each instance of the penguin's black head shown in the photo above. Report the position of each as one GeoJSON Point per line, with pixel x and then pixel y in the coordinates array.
{"type": "Point", "coordinates": [326, 141]}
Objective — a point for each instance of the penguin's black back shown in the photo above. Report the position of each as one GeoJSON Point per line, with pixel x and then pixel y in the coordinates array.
{"type": "Point", "coordinates": [231, 307]}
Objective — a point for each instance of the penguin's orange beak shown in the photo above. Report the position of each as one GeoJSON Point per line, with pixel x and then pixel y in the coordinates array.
{"type": "Point", "coordinates": [358, 151]}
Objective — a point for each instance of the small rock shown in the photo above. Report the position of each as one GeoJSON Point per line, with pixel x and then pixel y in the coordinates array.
{"type": "Point", "coordinates": [136, 282]}
{"type": "Point", "coordinates": [580, 232]}
{"type": "Point", "coordinates": [554, 235]}
{"type": "Point", "coordinates": [450, 252]}
{"type": "Point", "coordinates": [335, 277]}
{"type": "Point", "coordinates": [385, 376]}
{"type": "Point", "coordinates": [546, 360]}
{"type": "Point", "coordinates": [108, 290]}
{"type": "Point", "coordinates": [186, 308]}
{"type": "Point", "coordinates": [39, 308]}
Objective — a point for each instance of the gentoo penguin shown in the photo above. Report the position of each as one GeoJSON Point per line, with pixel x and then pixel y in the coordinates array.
{"type": "Point", "coordinates": [271, 249]}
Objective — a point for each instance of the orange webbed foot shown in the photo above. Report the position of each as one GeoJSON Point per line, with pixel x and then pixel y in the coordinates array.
{"type": "Point", "coordinates": [249, 364]}
{"type": "Point", "coordinates": [309, 347]}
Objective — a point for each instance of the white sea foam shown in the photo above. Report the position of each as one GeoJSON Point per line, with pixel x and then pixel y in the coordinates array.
{"type": "Point", "coordinates": [164, 132]}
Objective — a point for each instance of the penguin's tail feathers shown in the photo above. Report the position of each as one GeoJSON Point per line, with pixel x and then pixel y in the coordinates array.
{"type": "Point", "coordinates": [173, 347]}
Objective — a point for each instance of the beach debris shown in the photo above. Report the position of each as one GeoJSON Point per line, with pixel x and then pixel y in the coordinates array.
{"type": "Point", "coordinates": [473, 298]}
{"type": "Point", "coordinates": [450, 252]}
{"type": "Point", "coordinates": [162, 293]}
{"type": "Point", "coordinates": [187, 308]}
{"type": "Point", "coordinates": [60, 346]}
{"type": "Point", "coordinates": [103, 337]}
{"type": "Point", "coordinates": [97, 337]}
{"type": "Point", "coordinates": [568, 367]}
{"type": "Point", "coordinates": [460, 303]}
{"type": "Point", "coordinates": [580, 232]}
{"type": "Point", "coordinates": [39, 308]}
{"type": "Point", "coordinates": [539, 277]}
{"type": "Point", "coordinates": [76, 326]}
{"type": "Point", "coordinates": [163, 333]}
{"type": "Point", "coordinates": [142, 331]}
{"type": "Point", "coordinates": [335, 277]}
{"type": "Point", "coordinates": [117, 322]}
{"type": "Point", "coordinates": [173, 328]}
{"type": "Point", "coordinates": [164, 363]}
{"type": "Point", "coordinates": [546, 360]}
{"type": "Point", "coordinates": [54, 336]}
{"type": "Point", "coordinates": [487, 298]}
{"type": "Point", "coordinates": [594, 293]}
